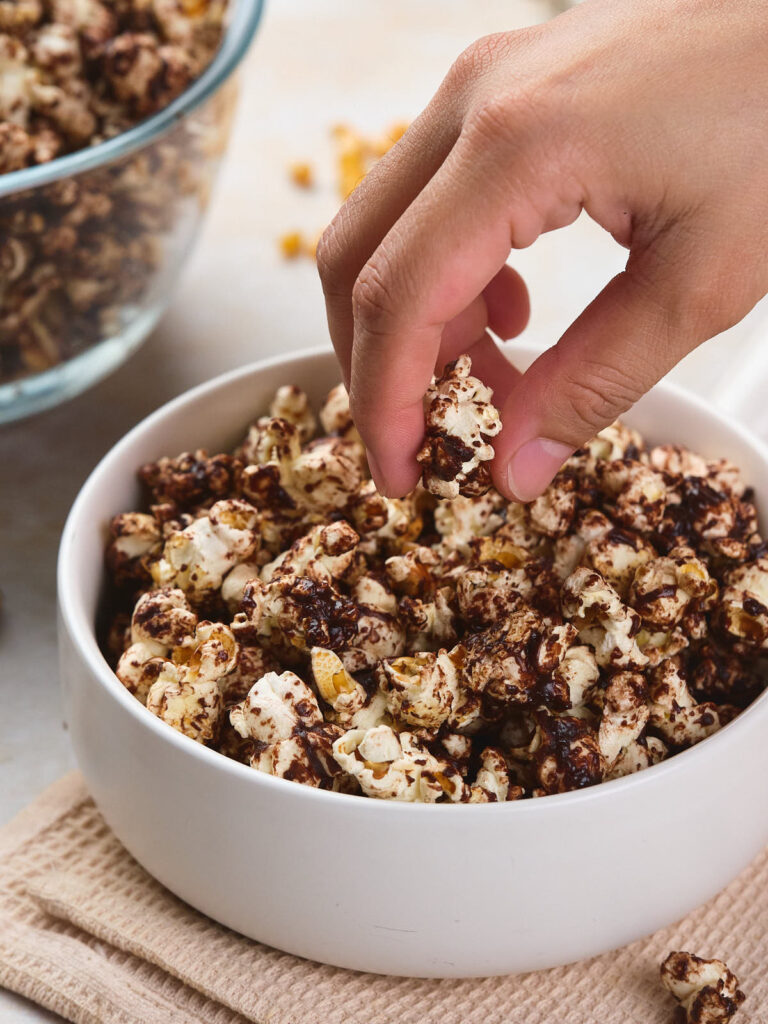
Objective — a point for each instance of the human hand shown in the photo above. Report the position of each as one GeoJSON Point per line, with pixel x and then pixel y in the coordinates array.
{"type": "Point", "coordinates": [652, 115]}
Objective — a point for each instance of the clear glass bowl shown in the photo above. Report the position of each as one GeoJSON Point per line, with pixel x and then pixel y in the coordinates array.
{"type": "Point", "coordinates": [92, 243]}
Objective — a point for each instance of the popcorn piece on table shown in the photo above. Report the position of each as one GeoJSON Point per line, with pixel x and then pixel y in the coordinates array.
{"type": "Point", "coordinates": [707, 990]}
{"type": "Point", "coordinates": [460, 420]}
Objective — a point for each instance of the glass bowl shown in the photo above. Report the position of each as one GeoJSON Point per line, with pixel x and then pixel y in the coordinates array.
{"type": "Point", "coordinates": [92, 243]}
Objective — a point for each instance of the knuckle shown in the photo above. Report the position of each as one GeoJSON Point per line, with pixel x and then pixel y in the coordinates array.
{"type": "Point", "coordinates": [328, 260]}
{"type": "Point", "coordinates": [333, 256]}
{"type": "Point", "coordinates": [595, 395]}
{"type": "Point", "coordinates": [373, 301]}
{"type": "Point", "coordinates": [514, 115]}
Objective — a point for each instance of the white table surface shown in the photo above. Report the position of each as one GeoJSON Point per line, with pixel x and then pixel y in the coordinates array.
{"type": "Point", "coordinates": [315, 62]}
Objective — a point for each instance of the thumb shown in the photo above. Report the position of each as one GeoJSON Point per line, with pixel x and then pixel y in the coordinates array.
{"type": "Point", "coordinates": [644, 321]}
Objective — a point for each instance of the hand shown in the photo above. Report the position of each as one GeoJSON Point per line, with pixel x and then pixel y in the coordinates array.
{"type": "Point", "coordinates": [652, 115]}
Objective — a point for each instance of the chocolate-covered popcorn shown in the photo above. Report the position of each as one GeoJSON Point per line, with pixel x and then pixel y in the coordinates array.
{"type": "Point", "coordinates": [79, 255]}
{"type": "Point", "coordinates": [460, 649]}
{"type": "Point", "coordinates": [707, 991]}
{"type": "Point", "coordinates": [460, 420]}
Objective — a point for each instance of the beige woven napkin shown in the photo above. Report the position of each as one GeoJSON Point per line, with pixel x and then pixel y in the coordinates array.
{"type": "Point", "coordinates": [87, 933]}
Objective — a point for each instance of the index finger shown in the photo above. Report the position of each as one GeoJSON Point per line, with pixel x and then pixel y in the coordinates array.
{"type": "Point", "coordinates": [443, 251]}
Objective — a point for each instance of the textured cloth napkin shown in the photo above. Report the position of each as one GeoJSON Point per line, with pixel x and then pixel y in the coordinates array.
{"type": "Point", "coordinates": [86, 932]}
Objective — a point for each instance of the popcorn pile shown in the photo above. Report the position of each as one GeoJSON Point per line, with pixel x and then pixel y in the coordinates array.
{"type": "Point", "coordinates": [453, 648]}
{"type": "Point", "coordinates": [74, 73]}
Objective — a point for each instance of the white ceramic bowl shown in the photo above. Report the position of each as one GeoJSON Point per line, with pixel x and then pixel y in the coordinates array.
{"type": "Point", "coordinates": [397, 888]}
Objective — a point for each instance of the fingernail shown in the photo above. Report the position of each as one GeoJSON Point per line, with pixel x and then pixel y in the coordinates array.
{"type": "Point", "coordinates": [533, 466]}
{"type": "Point", "coordinates": [378, 476]}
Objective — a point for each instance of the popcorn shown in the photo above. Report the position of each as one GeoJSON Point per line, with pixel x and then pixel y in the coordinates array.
{"type": "Point", "coordinates": [335, 417]}
{"type": "Point", "coordinates": [187, 694]}
{"type": "Point", "coordinates": [492, 782]}
{"type": "Point", "coordinates": [197, 558]}
{"type": "Point", "coordinates": [486, 595]}
{"type": "Point", "coordinates": [625, 714]}
{"type": "Point", "coordinates": [384, 523]}
{"type": "Point", "coordinates": [277, 705]}
{"type": "Point", "coordinates": [677, 461]}
{"type": "Point", "coordinates": [637, 492]}
{"type": "Point", "coordinates": [336, 686]}
{"type": "Point", "coordinates": [297, 613]}
{"type": "Point", "coordinates": [566, 753]}
{"type": "Point", "coordinates": [323, 554]}
{"type": "Point", "coordinates": [305, 757]}
{"type": "Point", "coordinates": [191, 479]}
{"type": "Point", "coordinates": [641, 753]}
{"type": "Point", "coordinates": [514, 662]}
{"type": "Point", "coordinates": [744, 606]}
{"type": "Point", "coordinates": [674, 712]}
{"type": "Point", "coordinates": [429, 623]}
{"type": "Point", "coordinates": [135, 538]}
{"type": "Point", "coordinates": [460, 419]}
{"type": "Point", "coordinates": [319, 479]}
{"type": "Point", "coordinates": [462, 519]}
{"type": "Point", "coordinates": [421, 689]}
{"type": "Point", "coordinates": [663, 588]}
{"type": "Point", "coordinates": [162, 619]}
{"type": "Point", "coordinates": [617, 441]}
{"type": "Point", "coordinates": [138, 668]}
{"type": "Point", "coordinates": [553, 511]}
{"type": "Point", "coordinates": [617, 555]}
{"type": "Point", "coordinates": [380, 630]}
{"type": "Point", "coordinates": [291, 404]}
{"type": "Point", "coordinates": [609, 626]}
{"type": "Point", "coordinates": [396, 766]}
{"type": "Point", "coordinates": [462, 650]}
{"type": "Point", "coordinates": [707, 990]}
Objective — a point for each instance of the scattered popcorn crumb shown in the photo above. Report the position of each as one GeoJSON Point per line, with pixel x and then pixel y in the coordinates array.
{"type": "Point", "coordinates": [354, 155]}
{"type": "Point", "coordinates": [302, 174]}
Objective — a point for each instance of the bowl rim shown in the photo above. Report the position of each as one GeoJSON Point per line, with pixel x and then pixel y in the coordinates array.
{"type": "Point", "coordinates": [83, 636]}
{"type": "Point", "coordinates": [237, 38]}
